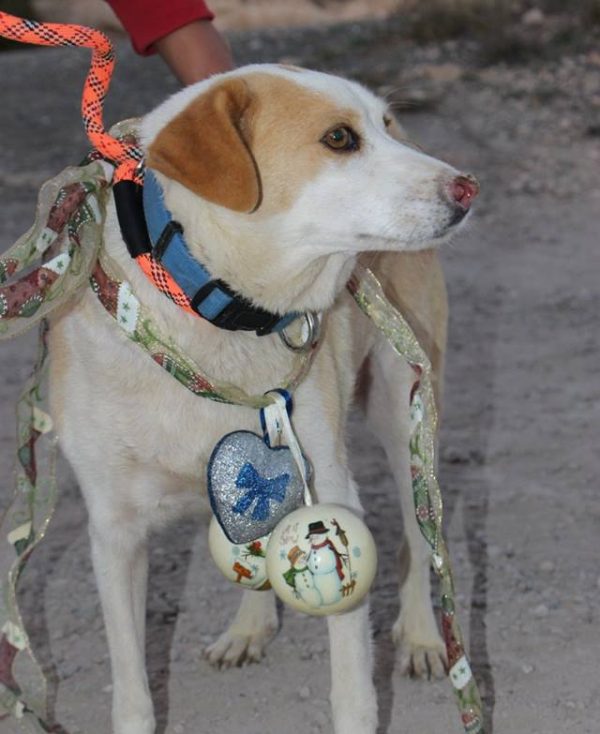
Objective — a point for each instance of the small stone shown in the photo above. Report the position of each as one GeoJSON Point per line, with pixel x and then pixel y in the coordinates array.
{"type": "Point", "coordinates": [593, 58]}
{"type": "Point", "coordinates": [304, 693]}
{"type": "Point", "coordinates": [540, 611]}
{"type": "Point", "coordinates": [318, 648]}
{"type": "Point", "coordinates": [320, 718]}
{"type": "Point", "coordinates": [443, 73]}
{"type": "Point", "coordinates": [290, 61]}
{"type": "Point", "coordinates": [533, 17]}
{"type": "Point", "coordinates": [453, 455]}
{"type": "Point", "coordinates": [527, 668]}
{"type": "Point", "coordinates": [179, 729]}
{"type": "Point", "coordinates": [107, 689]}
{"type": "Point", "coordinates": [547, 566]}
{"type": "Point", "coordinates": [69, 669]}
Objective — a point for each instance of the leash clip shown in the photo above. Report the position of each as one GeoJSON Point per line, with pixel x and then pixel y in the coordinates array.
{"type": "Point", "coordinates": [310, 331]}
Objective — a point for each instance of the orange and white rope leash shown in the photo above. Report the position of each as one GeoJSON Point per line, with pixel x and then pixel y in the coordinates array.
{"type": "Point", "coordinates": [126, 157]}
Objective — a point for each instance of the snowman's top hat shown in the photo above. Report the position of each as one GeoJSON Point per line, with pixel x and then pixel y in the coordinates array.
{"type": "Point", "coordinates": [316, 528]}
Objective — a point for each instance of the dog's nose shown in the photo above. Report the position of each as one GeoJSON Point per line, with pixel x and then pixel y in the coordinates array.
{"type": "Point", "coordinates": [463, 189]}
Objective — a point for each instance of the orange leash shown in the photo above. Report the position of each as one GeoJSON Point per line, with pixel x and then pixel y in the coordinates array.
{"type": "Point", "coordinates": [126, 157]}
{"type": "Point", "coordinates": [157, 275]}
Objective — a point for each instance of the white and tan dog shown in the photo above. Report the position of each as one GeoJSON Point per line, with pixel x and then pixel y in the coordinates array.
{"type": "Point", "coordinates": [280, 178]}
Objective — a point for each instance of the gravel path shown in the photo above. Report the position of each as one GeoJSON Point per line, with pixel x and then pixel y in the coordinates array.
{"type": "Point", "coordinates": [522, 405]}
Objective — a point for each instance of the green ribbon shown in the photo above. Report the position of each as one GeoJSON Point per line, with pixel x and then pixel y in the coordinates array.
{"type": "Point", "coordinates": [370, 297]}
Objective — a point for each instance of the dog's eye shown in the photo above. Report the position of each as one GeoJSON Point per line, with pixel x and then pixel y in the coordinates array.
{"type": "Point", "coordinates": [341, 139]}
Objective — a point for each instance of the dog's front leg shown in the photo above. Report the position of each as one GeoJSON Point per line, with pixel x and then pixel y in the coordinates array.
{"type": "Point", "coordinates": [121, 566]}
{"type": "Point", "coordinates": [353, 697]}
{"type": "Point", "coordinates": [422, 649]}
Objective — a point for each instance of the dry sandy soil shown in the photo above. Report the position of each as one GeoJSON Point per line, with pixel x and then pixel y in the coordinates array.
{"type": "Point", "coordinates": [230, 14]}
{"type": "Point", "coordinates": [519, 460]}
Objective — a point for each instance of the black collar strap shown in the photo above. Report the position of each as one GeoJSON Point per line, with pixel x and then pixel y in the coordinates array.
{"type": "Point", "coordinates": [147, 226]}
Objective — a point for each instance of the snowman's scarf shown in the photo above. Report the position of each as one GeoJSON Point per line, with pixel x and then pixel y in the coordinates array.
{"type": "Point", "coordinates": [67, 237]}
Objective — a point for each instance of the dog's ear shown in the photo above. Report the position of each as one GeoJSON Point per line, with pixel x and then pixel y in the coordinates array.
{"type": "Point", "coordinates": [206, 148]}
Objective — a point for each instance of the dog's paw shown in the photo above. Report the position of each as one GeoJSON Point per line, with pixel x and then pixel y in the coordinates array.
{"type": "Point", "coordinates": [421, 655]}
{"type": "Point", "coordinates": [419, 661]}
{"type": "Point", "coordinates": [237, 646]}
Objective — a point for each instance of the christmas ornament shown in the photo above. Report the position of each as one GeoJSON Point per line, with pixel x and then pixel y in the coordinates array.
{"type": "Point", "coordinates": [251, 485]}
{"type": "Point", "coordinates": [321, 559]}
{"type": "Point", "coordinates": [244, 563]}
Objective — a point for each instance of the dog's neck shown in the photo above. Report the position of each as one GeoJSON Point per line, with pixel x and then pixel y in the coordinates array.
{"type": "Point", "coordinates": [148, 227]}
{"type": "Point", "coordinates": [279, 276]}
{"type": "Point", "coordinates": [222, 355]}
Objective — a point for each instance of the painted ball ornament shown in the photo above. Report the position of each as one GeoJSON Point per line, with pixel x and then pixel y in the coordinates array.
{"type": "Point", "coordinates": [321, 559]}
{"type": "Point", "coordinates": [243, 563]}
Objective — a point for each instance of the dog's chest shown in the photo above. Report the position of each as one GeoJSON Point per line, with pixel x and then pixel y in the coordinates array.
{"type": "Point", "coordinates": [113, 403]}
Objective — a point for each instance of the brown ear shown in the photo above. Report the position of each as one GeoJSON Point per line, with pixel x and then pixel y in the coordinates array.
{"type": "Point", "coordinates": [204, 148]}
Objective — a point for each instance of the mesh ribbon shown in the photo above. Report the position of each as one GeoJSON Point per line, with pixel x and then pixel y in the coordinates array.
{"type": "Point", "coordinates": [369, 295]}
{"type": "Point", "coordinates": [66, 237]}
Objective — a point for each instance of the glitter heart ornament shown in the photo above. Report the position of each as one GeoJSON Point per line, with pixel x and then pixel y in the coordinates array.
{"type": "Point", "coordinates": [321, 559]}
{"type": "Point", "coordinates": [244, 564]}
{"type": "Point", "coordinates": [252, 486]}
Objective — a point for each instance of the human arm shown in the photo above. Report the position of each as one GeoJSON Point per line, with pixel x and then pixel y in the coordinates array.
{"type": "Point", "coordinates": [181, 31]}
{"type": "Point", "coordinates": [195, 51]}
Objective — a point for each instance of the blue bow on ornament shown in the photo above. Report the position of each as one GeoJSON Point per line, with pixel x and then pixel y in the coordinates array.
{"type": "Point", "coordinates": [261, 489]}
{"type": "Point", "coordinates": [252, 486]}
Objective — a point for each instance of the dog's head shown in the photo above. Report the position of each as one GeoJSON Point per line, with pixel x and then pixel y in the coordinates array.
{"type": "Point", "coordinates": [281, 176]}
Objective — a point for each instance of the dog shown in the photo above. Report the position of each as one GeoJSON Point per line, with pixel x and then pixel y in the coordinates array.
{"type": "Point", "coordinates": [281, 178]}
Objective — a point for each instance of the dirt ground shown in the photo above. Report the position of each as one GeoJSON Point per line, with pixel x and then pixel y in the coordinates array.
{"type": "Point", "coordinates": [519, 460]}
{"type": "Point", "coordinates": [230, 14]}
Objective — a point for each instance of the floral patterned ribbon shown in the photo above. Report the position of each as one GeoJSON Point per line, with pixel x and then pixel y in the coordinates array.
{"type": "Point", "coordinates": [368, 294]}
{"type": "Point", "coordinates": [66, 237]}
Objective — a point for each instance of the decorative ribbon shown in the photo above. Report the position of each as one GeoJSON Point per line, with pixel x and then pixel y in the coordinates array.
{"type": "Point", "coordinates": [368, 294]}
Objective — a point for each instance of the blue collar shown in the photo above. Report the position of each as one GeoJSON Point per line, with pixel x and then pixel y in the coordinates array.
{"type": "Point", "coordinates": [154, 230]}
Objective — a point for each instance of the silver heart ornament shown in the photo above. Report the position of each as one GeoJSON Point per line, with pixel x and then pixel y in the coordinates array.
{"type": "Point", "coordinates": [252, 486]}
